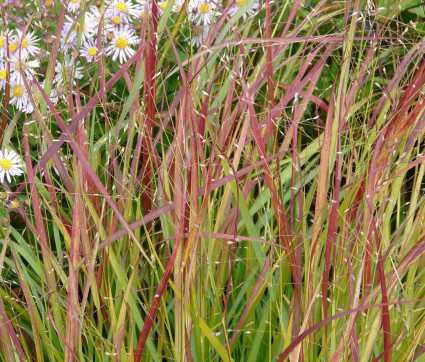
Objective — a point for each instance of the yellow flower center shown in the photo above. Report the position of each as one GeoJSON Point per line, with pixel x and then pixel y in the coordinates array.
{"type": "Point", "coordinates": [14, 204]}
{"type": "Point", "coordinates": [92, 52]}
{"type": "Point", "coordinates": [116, 20]}
{"type": "Point", "coordinates": [142, 15]}
{"type": "Point", "coordinates": [3, 195]}
{"type": "Point", "coordinates": [48, 3]}
{"type": "Point", "coordinates": [6, 164]}
{"type": "Point", "coordinates": [24, 43]}
{"type": "Point", "coordinates": [51, 162]}
{"type": "Point", "coordinates": [2, 74]}
{"type": "Point", "coordinates": [18, 91]}
{"type": "Point", "coordinates": [163, 5]}
{"type": "Point", "coordinates": [12, 47]}
{"type": "Point", "coordinates": [204, 8]}
{"type": "Point", "coordinates": [1, 41]}
{"type": "Point", "coordinates": [121, 7]}
{"type": "Point", "coordinates": [241, 2]}
{"type": "Point", "coordinates": [75, 1]}
{"type": "Point", "coordinates": [121, 43]}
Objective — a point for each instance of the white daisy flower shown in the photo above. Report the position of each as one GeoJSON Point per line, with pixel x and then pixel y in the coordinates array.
{"type": "Point", "coordinates": [66, 68]}
{"type": "Point", "coordinates": [20, 67]}
{"type": "Point", "coordinates": [19, 97]}
{"type": "Point", "coordinates": [178, 4]}
{"type": "Point", "coordinates": [70, 31]}
{"type": "Point", "coordinates": [10, 165]}
{"type": "Point", "coordinates": [203, 11]}
{"type": "Point", "coordinates": [161, 7]}
{"type": "Point", "coordinates": [143, 13]}
{"type": "Point", "coordinates": [28, 43]}
{"type": "Point", "coordinates": [2, 44]}
{"type": "Point", "coordinates": [122, 9]}
{"type": "Point", "coordinates": [89, 51]}
{"type": "Point", "coordinates": [142, 9]}
{"type": "Point", "coordinates": [74, 6]}
{"type": "Point", "coordinates": [199, 33]}
{"type": "Point", "coordinates": [68, 39]}
{"type": "Point", "coordinates": [3, 74]}
{"type": "Point", "coordinates": [120, 45]}
{"type": "Point", "coordinates": [14, 46]}
{"type": "Point", "coordinates": [115, 20]}
{"type": "Point", "coordinates": [94, 18]}
{"type": "Point", "coordinates": [175, 9]}
{"type": "Point", "coordinates": [250, 11]}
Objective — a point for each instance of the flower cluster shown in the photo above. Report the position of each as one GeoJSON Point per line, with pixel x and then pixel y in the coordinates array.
{"type": "Point", "coordinates": [116, 21]}
{"type": "Point", "coordinates": [106, 31]}
{"type": "Point", "coordinates": [203, 14]}
{"type": "Point", "coordinates": [18, 53]}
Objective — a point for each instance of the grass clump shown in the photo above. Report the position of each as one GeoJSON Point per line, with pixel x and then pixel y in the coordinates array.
{"type": "Point", "coordinates": [212, 180]}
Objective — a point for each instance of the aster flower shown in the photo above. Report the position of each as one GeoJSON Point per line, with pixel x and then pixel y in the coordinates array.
{"type": "Point", "coordinates": [70, 31]}
{"type": "Point", "coordinates": [199, 33]}
{"type": "Point", "coordinates": [121, 45]}
{"type": "Point", "coordinates": [13, 45]}
{"type": "Point", "coordinates": [89, 51]}
{"type": "Point", "coordinates": [122, 9]}
{"type": "Point", "coordinates": [142, 9]}
{"type": "Point", "coordinates": [162, 6]}
{"type": "Point", "coordinates": [2, 44]}
{"type": "Point", "coordinates": [68, 38]}
{"type": "Point", "coordinates": [94, 18]}
{"type": "Point", "coordinates": [178, 4]}
{"type": "Point", "coordinates": [250, 11]}
{"type": "Point", "coordinates": [74, 6]}
{"type": "Point", "coordinates": [65, 69]}
{"type": "Point", "coordinates": [19, 97]}
{"type": "Point", "coordinates": [10, 165]}
{"type": "Point", "coordinates": [114, 19]}
{"type": "Point", "coordinates": [48, 3]}
{"type": "Point", "coordinates": [20, 67]}
{"type": "Point", "coordinates": [3, 74]}
{"type": "Point", "coordinates": [175, 9]}
{"type": "Point", "coordinates": [28, 43]}
{"type": "Point", "coordinates": [203, 11]}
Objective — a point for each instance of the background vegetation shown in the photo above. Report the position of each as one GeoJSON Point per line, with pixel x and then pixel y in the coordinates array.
{"type": "Point", "coordinates": [260, 197]}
